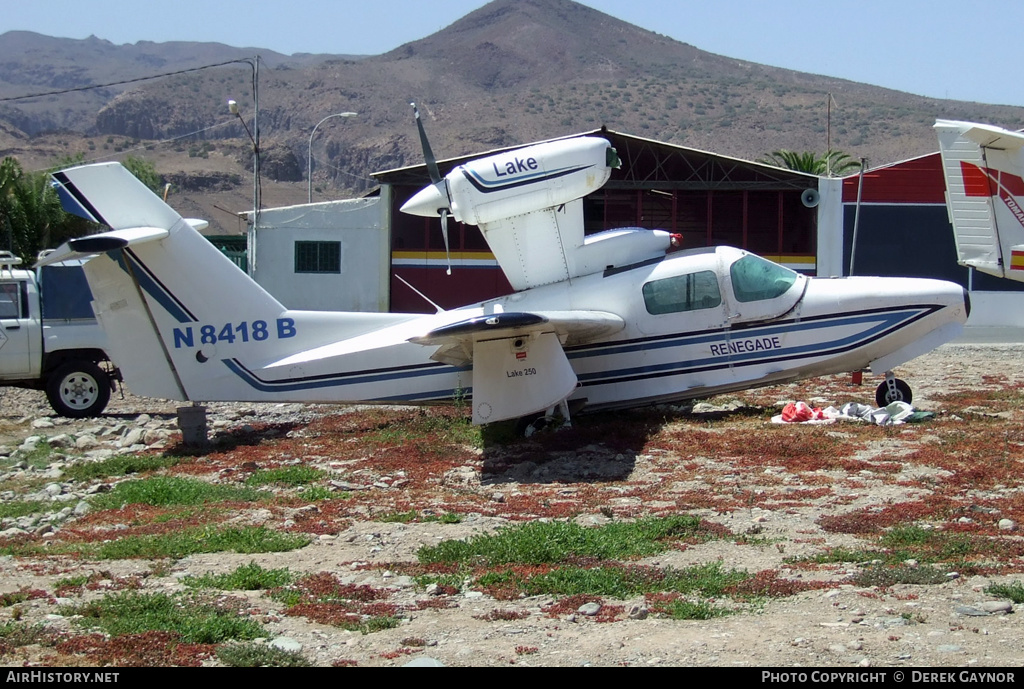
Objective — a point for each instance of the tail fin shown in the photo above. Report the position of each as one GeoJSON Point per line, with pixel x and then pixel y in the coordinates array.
{"type": "Point", "coordinates": [984, 170]}
{"type": "Point", "coordinates": [157, 283]}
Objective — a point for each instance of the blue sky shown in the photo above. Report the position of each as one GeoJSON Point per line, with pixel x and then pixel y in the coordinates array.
{"type": "Point", "coordinates": [939, 48]}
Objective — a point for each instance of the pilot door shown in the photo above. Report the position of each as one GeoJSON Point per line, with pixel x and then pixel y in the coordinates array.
{"type": "Point", "coordinates": [759, 297]}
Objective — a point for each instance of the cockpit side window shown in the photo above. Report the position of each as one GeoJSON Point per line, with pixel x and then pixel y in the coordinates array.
{"type": "Point", "coordinates": [682, 293]}
{"type": "Point", "coordinates": [755, 279]}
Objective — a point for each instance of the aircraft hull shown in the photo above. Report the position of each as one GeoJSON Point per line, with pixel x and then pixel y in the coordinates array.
{"type": "Point", "coordinates": [836, 325]}
{"type": "Point", "coordinates": [185, 323]}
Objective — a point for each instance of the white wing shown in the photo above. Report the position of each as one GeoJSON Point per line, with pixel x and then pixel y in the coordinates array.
{"type": "Point", "coordinates": [519, 364]}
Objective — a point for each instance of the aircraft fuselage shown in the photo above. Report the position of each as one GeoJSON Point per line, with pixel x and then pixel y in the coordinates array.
{"type": "Point", "coordinates": [710, 340]}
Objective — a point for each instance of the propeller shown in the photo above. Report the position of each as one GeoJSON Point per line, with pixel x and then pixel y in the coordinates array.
{"type": "Point", "coordinates": [440, 184]}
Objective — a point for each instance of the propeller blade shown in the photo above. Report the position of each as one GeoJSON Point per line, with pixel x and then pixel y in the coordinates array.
{"type": "Point", "coordinates": [440, 185]}
{"type": "Point", "coordinates": [428, 154]}
{"type": "Point", "coordinates": [444, 233]}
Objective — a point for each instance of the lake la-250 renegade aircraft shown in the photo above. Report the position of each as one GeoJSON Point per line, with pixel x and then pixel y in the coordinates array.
{"type": "Point", "coordinates": [616, 319]}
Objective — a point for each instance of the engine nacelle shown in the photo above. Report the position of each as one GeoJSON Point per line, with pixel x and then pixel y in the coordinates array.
{"type": "Point", "coordinates": [522, 181]}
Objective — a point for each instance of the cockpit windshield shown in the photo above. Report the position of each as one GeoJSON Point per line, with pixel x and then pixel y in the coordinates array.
{"type": "Point", "coordinates": [756, 279]}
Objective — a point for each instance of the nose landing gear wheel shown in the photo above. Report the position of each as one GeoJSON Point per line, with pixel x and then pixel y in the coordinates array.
{"type": "Point", "coordinates": [893, 390]}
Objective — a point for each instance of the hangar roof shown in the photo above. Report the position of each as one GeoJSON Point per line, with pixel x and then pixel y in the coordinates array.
{"type": "Point", "coordinates": [646, 164]}
{"type": "Point", "coordinates": [914, 181]}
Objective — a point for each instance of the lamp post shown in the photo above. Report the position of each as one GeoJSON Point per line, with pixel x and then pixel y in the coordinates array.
{"type": "Point", "coordinates": [257, 201]}
{"type": "Point", "coordinates": [233, 109]}
{"type": "Point", "coordinates": [309, 157]}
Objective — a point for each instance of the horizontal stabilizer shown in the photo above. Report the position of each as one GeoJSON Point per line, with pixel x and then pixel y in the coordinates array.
{"type": "Point", "coordinates": [984, 135]}
{"type": "Point", "coordinates": [102, 243]}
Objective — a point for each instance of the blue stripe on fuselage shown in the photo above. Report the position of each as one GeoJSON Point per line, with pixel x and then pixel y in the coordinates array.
{"type": "Point", "coordinates": [339, 379]}
{"type": "Point", "coordinates": [888, 320]}
{"type": "Point", "coordinates": [152, 286]}
{"type": "Point", "coordinates": [891, 318]}
{"type": "Point", "coordinates": [486, 186]}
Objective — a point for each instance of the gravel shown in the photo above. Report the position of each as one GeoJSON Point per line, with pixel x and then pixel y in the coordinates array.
{"type": "Point", "coordinates": [954, 623]}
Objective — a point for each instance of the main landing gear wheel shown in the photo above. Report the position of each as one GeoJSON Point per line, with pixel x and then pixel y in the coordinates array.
{"type": "Point", "coordinates": [78, 389]}
{"type": "Point", "coordinates": [556, 418]}
{"type": "Point", "coordinates": [893, 390]}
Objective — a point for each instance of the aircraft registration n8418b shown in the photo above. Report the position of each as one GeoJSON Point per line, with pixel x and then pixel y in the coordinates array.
{"type": "Point", "coordinates": [615, 319]}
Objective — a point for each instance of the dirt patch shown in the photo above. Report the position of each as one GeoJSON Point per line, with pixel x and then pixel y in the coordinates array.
{"type": "Point", "coordinates": [854, 545]}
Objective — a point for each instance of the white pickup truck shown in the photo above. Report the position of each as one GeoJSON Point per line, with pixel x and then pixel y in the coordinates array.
{"type": "Point", "coordinates": [49, 337]}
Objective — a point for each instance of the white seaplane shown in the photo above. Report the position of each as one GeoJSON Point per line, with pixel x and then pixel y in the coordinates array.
{"type": "Point", "coordinates": [984, 170]}
{"type": "Point", "coordinates": [616, 319]}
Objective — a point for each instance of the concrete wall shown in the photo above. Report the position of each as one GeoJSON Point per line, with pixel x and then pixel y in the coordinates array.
{"type": "Point", "coordinates": [996, 309]}
{"type": "Point", "coordinates": [830, 227]}
{"type": "Point", "coordinates": [362, 226]}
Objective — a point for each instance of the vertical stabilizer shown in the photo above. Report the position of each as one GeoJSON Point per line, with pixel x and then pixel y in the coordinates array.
{"type": "Point", "coordinates": [984, 170]}
{"type": "Point", "coordinates": [162, 291]}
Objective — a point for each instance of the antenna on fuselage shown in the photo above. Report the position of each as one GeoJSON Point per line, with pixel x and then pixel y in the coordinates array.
{"type": "Point", "coordinates": [439, 183]}
{"type": "Point", "coordinates": [425, 297]}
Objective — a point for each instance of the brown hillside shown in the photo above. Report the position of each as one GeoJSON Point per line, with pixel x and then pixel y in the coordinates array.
{"type": "Point", "coordinates": [513, 71]}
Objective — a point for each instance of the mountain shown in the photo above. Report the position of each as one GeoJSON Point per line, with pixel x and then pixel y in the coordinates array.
{"type": "Point", "coordinates": [31, 63]}
{"type": "Point", "coordinates": [513, 71]}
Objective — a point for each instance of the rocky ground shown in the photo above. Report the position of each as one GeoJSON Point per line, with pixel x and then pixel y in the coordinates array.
{"type": "Point", "coordinates": [861, 545]}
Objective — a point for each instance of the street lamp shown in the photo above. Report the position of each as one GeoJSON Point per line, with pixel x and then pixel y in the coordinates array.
{"type": "Point", "coordinates": [257, 191]}
{"type": "Point", "coordinates": [309, 157]}
{"type": "Point", "coordinates": [233, 109]}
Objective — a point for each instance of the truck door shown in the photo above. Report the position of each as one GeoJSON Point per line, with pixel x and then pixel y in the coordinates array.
{"type": "Point", "coordinates": [16, 331]}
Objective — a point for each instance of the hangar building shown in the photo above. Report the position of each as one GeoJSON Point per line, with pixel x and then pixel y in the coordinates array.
{"type": "Point", "coordinates": [904, 230]}
{"type": "Point", "coordinates": [349, 255]}
{"type": "Point", "coordinates": [710, 199]}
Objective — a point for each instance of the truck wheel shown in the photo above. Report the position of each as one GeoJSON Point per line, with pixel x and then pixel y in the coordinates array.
{"type": "Point", "coordinates": [78, 389]}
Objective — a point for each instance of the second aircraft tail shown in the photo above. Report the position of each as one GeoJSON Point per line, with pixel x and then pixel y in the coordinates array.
{"type": "Point", "coordinates": [984, 170]}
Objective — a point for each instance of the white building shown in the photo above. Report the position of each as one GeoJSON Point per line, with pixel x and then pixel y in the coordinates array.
{"type": "Point", "coordinates": [333, 256]}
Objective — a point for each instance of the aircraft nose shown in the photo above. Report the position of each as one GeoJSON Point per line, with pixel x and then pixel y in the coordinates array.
{"type": "Point", "coordinates": [427, 202]}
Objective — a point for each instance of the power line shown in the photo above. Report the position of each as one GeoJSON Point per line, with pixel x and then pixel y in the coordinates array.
{"type": "Point", "coordinates": [247, 61]}
{"type": "Point", "coordinates": [147, 145]}
{"type": "Point", "coordinates": [324, 164]}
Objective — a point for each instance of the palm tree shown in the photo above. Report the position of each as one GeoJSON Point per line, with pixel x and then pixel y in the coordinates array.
{"type": "Point", "coordinates": [10, 213]}
{"type": "Point", "coordinates": [31, 217]}
{"type": "Point", "coordinates": [832, 163]}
